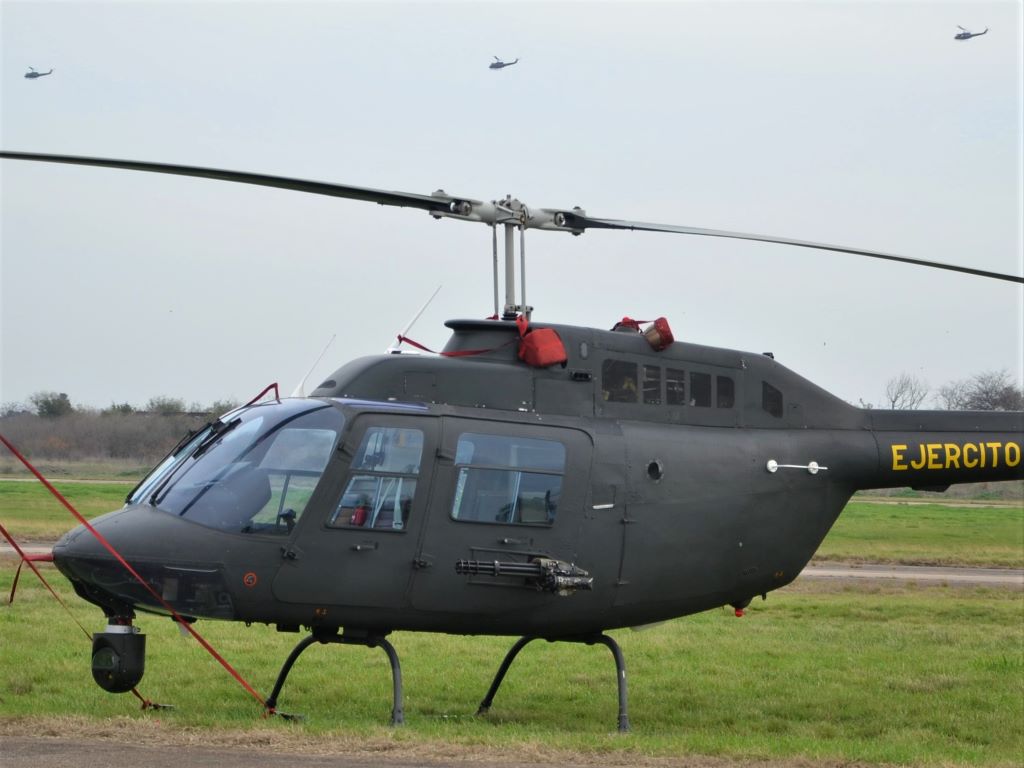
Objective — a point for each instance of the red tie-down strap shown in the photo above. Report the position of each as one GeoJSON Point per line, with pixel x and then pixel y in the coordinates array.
{"type": "Point", "coordinates": [31, 560]}
{"type": "Point", "coordinates": [22, 559]}
{"type": "Point", "coordinates": [457, 353]}
{"type": "Point", "coordinates": [630, 323]}
{"type": "Point", "coordinates": [117, 556]}
{"type": "Point", "coordinates": [277, 394]}
{"type": "Point", "coordinates": [539, 347]}
{"type": "Point", "coordinates": [658, 334]}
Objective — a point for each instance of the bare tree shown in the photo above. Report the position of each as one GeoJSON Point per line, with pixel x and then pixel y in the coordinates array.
{"type": "Point", "coordinates": [905, 392]}
{"type": "Point", "coordinates": [988, 391]}
{"type": "Point", "coordinates": [952, 396]}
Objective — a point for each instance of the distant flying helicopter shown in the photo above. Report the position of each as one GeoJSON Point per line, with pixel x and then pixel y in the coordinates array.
{"type": "Point", "coordinates": [499, 64]}
{"type": "Point", "coordinates": [32, 74]}
{"type": "Point", "coordinates": [966, 34]}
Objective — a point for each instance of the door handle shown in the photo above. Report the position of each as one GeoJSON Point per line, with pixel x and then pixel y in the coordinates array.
{"type": "Point", "coordinates": [365, 546]}
{"type": "Point", "coordinates": [423, 560]}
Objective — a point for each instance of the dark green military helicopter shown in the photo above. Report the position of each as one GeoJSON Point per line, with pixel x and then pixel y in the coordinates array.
{"type": "Point", "coordinates": [531, 479]}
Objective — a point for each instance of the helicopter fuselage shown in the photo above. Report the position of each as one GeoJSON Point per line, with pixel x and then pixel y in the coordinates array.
{"type": "Point", "coordinates": [675, 481]}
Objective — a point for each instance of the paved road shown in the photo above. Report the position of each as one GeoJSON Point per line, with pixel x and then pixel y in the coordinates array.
{"type": "Point", "coordinates": [52, 752]}
{"type": "Point", "coordinates": [57, 752]}
{"type": "Point", "coordinates": [927, 574]}
{"type": "Point", "coordinates": [23, 751]}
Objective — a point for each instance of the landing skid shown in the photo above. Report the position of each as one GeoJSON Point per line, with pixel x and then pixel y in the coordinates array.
{"type": "Point", "coordinates": [370, 641]}
{"type": "Point", "coordinates": [620, 669]}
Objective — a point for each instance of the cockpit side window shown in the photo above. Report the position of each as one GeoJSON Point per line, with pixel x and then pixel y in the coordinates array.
{"type": "Point", "coordinates": [382, 485]}
{"type": "Point", "coordinates": [503, 479]}
{"type": "Point", "coordinates": [292, 466]}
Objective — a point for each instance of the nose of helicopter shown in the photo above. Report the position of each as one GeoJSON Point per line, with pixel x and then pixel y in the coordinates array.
{"type": "Point", "coordinates": [141, 557]}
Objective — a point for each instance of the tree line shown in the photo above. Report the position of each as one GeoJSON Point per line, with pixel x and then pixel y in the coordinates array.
{"type": "Point", "coordinates": [50, 427]}
{"type": "Point", "coordinates": [53, 404]}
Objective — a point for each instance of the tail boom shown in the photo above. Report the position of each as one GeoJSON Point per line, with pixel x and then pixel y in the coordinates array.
{"type": "Point", "coordinates": [946, 448]}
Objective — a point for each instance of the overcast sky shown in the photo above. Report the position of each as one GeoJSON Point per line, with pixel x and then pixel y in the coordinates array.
{"type": "Point", "coordinates": [854, 123]}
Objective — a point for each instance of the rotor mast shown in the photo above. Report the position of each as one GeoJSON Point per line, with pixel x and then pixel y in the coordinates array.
{"type": "Point", "coordinates": [511, 215]}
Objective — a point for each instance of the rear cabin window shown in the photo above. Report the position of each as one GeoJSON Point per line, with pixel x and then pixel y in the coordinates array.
{"type": "Point", "coordinates": [652, 385]}
{"type": "Point", "coordinates": [675, 386]}
{"type": "Point", "coordinates": [504, 479]}
{"type": "Point", "coordinates": [382, 480]}
{"type": "Point", "coordinates": [619, 385]}
{"type": "Point", "coordinates": [700, 390]}
{"type": "Point", "coordinates": [618, 381]}
{"type": "Point", "coordinates": [725, 392]}
{"type": "Point", "coordinates": [771, 399]}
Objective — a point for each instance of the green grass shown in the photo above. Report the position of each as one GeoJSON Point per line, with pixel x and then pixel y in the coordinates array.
{"type": "Point", "coordinates": [907, 676]}
{"type": "Point", "coordinates": [30, 513]}
{"type": "Point", "coordinates": [921, 533]}
{"type": "Point", "coordinates": [912, 676]}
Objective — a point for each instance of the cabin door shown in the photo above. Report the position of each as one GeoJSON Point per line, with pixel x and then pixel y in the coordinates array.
{"type": "Point", "coordinates": [501, 493]}
{"type": "Point", "coordinates": [361, 551]}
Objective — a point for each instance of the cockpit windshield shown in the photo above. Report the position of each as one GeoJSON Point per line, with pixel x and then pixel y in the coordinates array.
{"type": "Point", "coordinates": [253, 473]}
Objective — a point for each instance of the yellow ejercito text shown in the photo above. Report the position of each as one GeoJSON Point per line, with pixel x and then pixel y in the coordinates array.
{"type": "Point", "coordinates": [955, 455]}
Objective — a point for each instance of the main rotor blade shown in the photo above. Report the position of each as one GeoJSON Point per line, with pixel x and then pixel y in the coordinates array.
{"type": "Point", "coordinates": [438, 203]}
{"type": "Point", "coordinates": [586, 222]}
{"type": "Point", "coordinates": [442, 204]}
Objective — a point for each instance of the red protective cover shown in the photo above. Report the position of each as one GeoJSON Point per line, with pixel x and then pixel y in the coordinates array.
{"type": "Point", "coordinates": [542, 347]}
{"type": "Point", "coordinates": [659, 335]}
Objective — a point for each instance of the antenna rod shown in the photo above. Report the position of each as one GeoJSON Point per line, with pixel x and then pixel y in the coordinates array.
{"type": "Point", "coordinates": [522, 270]}
{"type": "Point", "coordinates": [494, 248]}
{"type": "Point", "coordinates": [510, 272]}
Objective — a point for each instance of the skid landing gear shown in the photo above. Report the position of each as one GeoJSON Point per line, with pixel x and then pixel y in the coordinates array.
{"type": "Point", "coordinates": [620, 670]}
{"type": "Point", "coordinates": [331, 636]}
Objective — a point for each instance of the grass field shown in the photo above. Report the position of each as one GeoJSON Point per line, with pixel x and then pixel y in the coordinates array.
{"type": "Point", "coordinates": [30, 513]}
{"type": "Point", "coordinates": [927, 534]}
{"type": "Point", "coordinates": [929, 676]}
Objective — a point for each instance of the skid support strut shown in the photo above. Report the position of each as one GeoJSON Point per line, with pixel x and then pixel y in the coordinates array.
{"type": "Point", "coordinates": [370, 641]}
{"type": "Point", "coordinates": [620, 671]}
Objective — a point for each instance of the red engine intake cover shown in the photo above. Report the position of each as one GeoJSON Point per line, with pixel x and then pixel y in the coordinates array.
{"type": "Point", "coordinates": [542, 347]}
{"type": "Point", "coordinates": [658, 334]}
